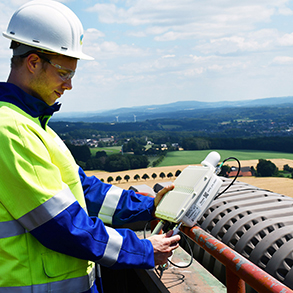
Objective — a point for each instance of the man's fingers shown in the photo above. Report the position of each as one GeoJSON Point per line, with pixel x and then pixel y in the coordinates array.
{"type": "Point", "coordinates": [161, 193]}
{"type": "Point", "coordinates": [173, 239]}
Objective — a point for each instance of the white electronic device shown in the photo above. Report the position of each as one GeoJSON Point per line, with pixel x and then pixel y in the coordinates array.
{"type": "Point", "coordinates": [194, 190]}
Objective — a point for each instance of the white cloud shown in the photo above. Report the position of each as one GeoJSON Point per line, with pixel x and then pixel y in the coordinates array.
{"type": "Point", "coordinates": [283, 60]}
{"type": "Point", "coordinates": [94, 33]}
{"type": "Point", "coordinates": [286, 40]}
{"type": "Point", "coordinates": [164, 50]}
{"type": "Point", "coordinates": [261, 40]}
{"type": "Point", "coordinates": [169, 56]}
{"type": "Point", "coordinates": [171, 19]}
{"type": "Point", "coordinates": [110, 49]}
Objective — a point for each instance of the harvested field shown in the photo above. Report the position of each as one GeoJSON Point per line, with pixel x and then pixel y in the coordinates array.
{"type": "Point", "coordinates": [276, 184]}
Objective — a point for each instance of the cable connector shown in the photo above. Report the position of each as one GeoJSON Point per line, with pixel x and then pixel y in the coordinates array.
{"type": "Point", "coordinates": [218, 170]}
{"type": "Point", "coordinates": [177, 229]}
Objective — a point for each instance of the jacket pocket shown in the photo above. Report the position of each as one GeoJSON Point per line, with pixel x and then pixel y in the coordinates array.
{"type": "Point", "coordinates": [57, 264]}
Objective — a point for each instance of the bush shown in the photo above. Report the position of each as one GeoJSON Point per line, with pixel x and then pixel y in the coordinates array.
{"type": "Point", "coordinates": [266, 168]}
{"type": "Point", "coordinates": [145, 176]}
{"type": "Point", "coordinates": [225, 170]}
{"type": "Point", "coordinates": [170, 175]}
{"type": "Point", "coordinates": [287, 168]}
{"type": "Point", "coordinates": [117, 163]}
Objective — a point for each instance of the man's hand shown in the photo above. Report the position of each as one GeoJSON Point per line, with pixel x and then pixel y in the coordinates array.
{"type": "Point", "coordinates": [163, 245]}
{"type": "Point", "coordinates": [161, 193]}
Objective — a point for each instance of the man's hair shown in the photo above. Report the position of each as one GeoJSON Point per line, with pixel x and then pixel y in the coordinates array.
{"type": "Point", "coordinates": [17, 60]}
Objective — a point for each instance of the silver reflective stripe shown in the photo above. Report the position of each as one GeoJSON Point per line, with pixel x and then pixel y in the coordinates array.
{"type": "Point", "coordinates": [10, 229]}
{"type": "Point", "coordinates": [80, 284]}
{"type": "Point", "coordinates": [48, 210]}
{"type": "Point", "coordinates": [109, 204]}
{"type": "Point", "coordinates": [113, 248]}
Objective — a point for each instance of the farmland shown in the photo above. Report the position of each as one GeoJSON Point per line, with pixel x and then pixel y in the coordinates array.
{"type": "Point", "coordinates": [179, 160]}
{"type": "Point", "coordinates": [196, 157]}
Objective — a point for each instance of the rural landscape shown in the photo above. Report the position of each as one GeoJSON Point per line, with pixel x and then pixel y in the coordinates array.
{"type": "Point", "coordinates": [281, 185]}
{"type": "Point", "coordinates": [151, 150]}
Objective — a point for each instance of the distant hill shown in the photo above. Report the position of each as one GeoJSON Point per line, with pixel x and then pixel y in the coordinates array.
{"type": "Point", "coordinates": [181, 109]}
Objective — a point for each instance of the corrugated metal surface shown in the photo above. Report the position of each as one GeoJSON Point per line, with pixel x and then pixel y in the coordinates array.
{"type": "Point", "coordinates": [256, 223]}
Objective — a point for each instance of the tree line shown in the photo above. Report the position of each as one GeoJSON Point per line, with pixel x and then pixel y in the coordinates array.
{"type": "Point", "coordinates": [101, 161]}
{"type": "Point", "coordinates": [145, 176]}
{"type": "Point", "coordinates": [139, 157]}
{"type": "Point", "coordinates": [278, 144]}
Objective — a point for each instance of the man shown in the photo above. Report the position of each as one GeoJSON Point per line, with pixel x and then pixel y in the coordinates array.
{"type": "Point", "coordinates": [52, 215]}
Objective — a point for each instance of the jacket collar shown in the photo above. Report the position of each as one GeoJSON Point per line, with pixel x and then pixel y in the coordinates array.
{"type": "Point", "coordinates": [31, 105]}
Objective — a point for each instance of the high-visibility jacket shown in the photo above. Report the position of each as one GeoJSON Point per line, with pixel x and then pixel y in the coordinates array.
{"type": "Point", "coordinates": [52, 214]}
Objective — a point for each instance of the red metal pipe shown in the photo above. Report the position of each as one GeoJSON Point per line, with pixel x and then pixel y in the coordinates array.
{"type": "Point", "coordinates": [236, 263]}
{"type": "Point", "coordinates": [234, 284]}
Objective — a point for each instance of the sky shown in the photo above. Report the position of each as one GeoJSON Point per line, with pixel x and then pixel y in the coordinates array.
{"type": "Point", "coordinates": [150, 52]}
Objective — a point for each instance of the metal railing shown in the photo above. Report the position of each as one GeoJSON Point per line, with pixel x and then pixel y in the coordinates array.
{"type": "Point", "coordinates": [239, 270]}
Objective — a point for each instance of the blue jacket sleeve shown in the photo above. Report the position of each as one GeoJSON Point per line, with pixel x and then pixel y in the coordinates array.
{"type": "Point", "coordinates": [74, 233]}
{"type": "Point", "coordinates": [114, 205]}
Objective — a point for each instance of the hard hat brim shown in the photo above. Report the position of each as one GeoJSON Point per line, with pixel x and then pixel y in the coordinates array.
{"type": "Point", "coordinates": [77, 55]}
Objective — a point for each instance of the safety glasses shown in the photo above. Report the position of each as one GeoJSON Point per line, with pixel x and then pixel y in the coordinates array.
{"type": "Point", "coordinates": [64, 73]}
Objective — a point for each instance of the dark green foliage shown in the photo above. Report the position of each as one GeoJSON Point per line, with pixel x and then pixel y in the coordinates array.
{"type": "Point", "coordinates": [117, 163]}
{"type": "Point", "coordinates": [266, 168]}
{"type": "Point", "coordinates": [101, 154]}
{"type": "Point", "coordinates": [80, 153]}
{"type": "Point", "coordinates": [133, 145]}
{"type": "Point", "coordinates": [95, 164]}
{"type": "Point", "coordinates": [225, 169]}
{"type": "Point", "coordinates": [195, 143]}
{"type": "Point", "coordinates": [138, 162]}
{"type": "Point", "coordinates": [287, 168]}
{"type": "Point", "coordinates": [145, 176]}
{"type": "Point", "coordinates": [170, 175]}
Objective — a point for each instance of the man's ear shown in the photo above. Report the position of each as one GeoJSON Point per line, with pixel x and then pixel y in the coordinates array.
{"type": "Point", "coordinates": [33, 62]}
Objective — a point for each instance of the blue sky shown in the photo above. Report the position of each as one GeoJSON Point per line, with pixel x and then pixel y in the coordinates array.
{"type": "Point", "coordinates": [163, 51]}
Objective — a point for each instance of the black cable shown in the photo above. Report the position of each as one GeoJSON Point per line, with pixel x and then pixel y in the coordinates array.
{"type": "Point", "coordinates": [160, 269]}
{"type": "Point", "coordinates": [191, 255]}
{"type": "Point", "coordinates": [238, 171]}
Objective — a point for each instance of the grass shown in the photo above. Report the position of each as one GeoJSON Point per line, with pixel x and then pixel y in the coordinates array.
{"type": "Point", "coordinates": [196, 157]}
{"type": "Point", "coordinates": [109, 150]}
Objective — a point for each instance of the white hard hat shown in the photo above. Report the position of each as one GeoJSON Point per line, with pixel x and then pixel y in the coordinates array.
{"type": "Point", "coordinates": [47, 25]}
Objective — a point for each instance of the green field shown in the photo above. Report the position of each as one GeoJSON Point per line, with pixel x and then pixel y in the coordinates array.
{"type": "Point", "coordinates": [196, 157]}
{"type": "Point", "coordinates": [109, 150]}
